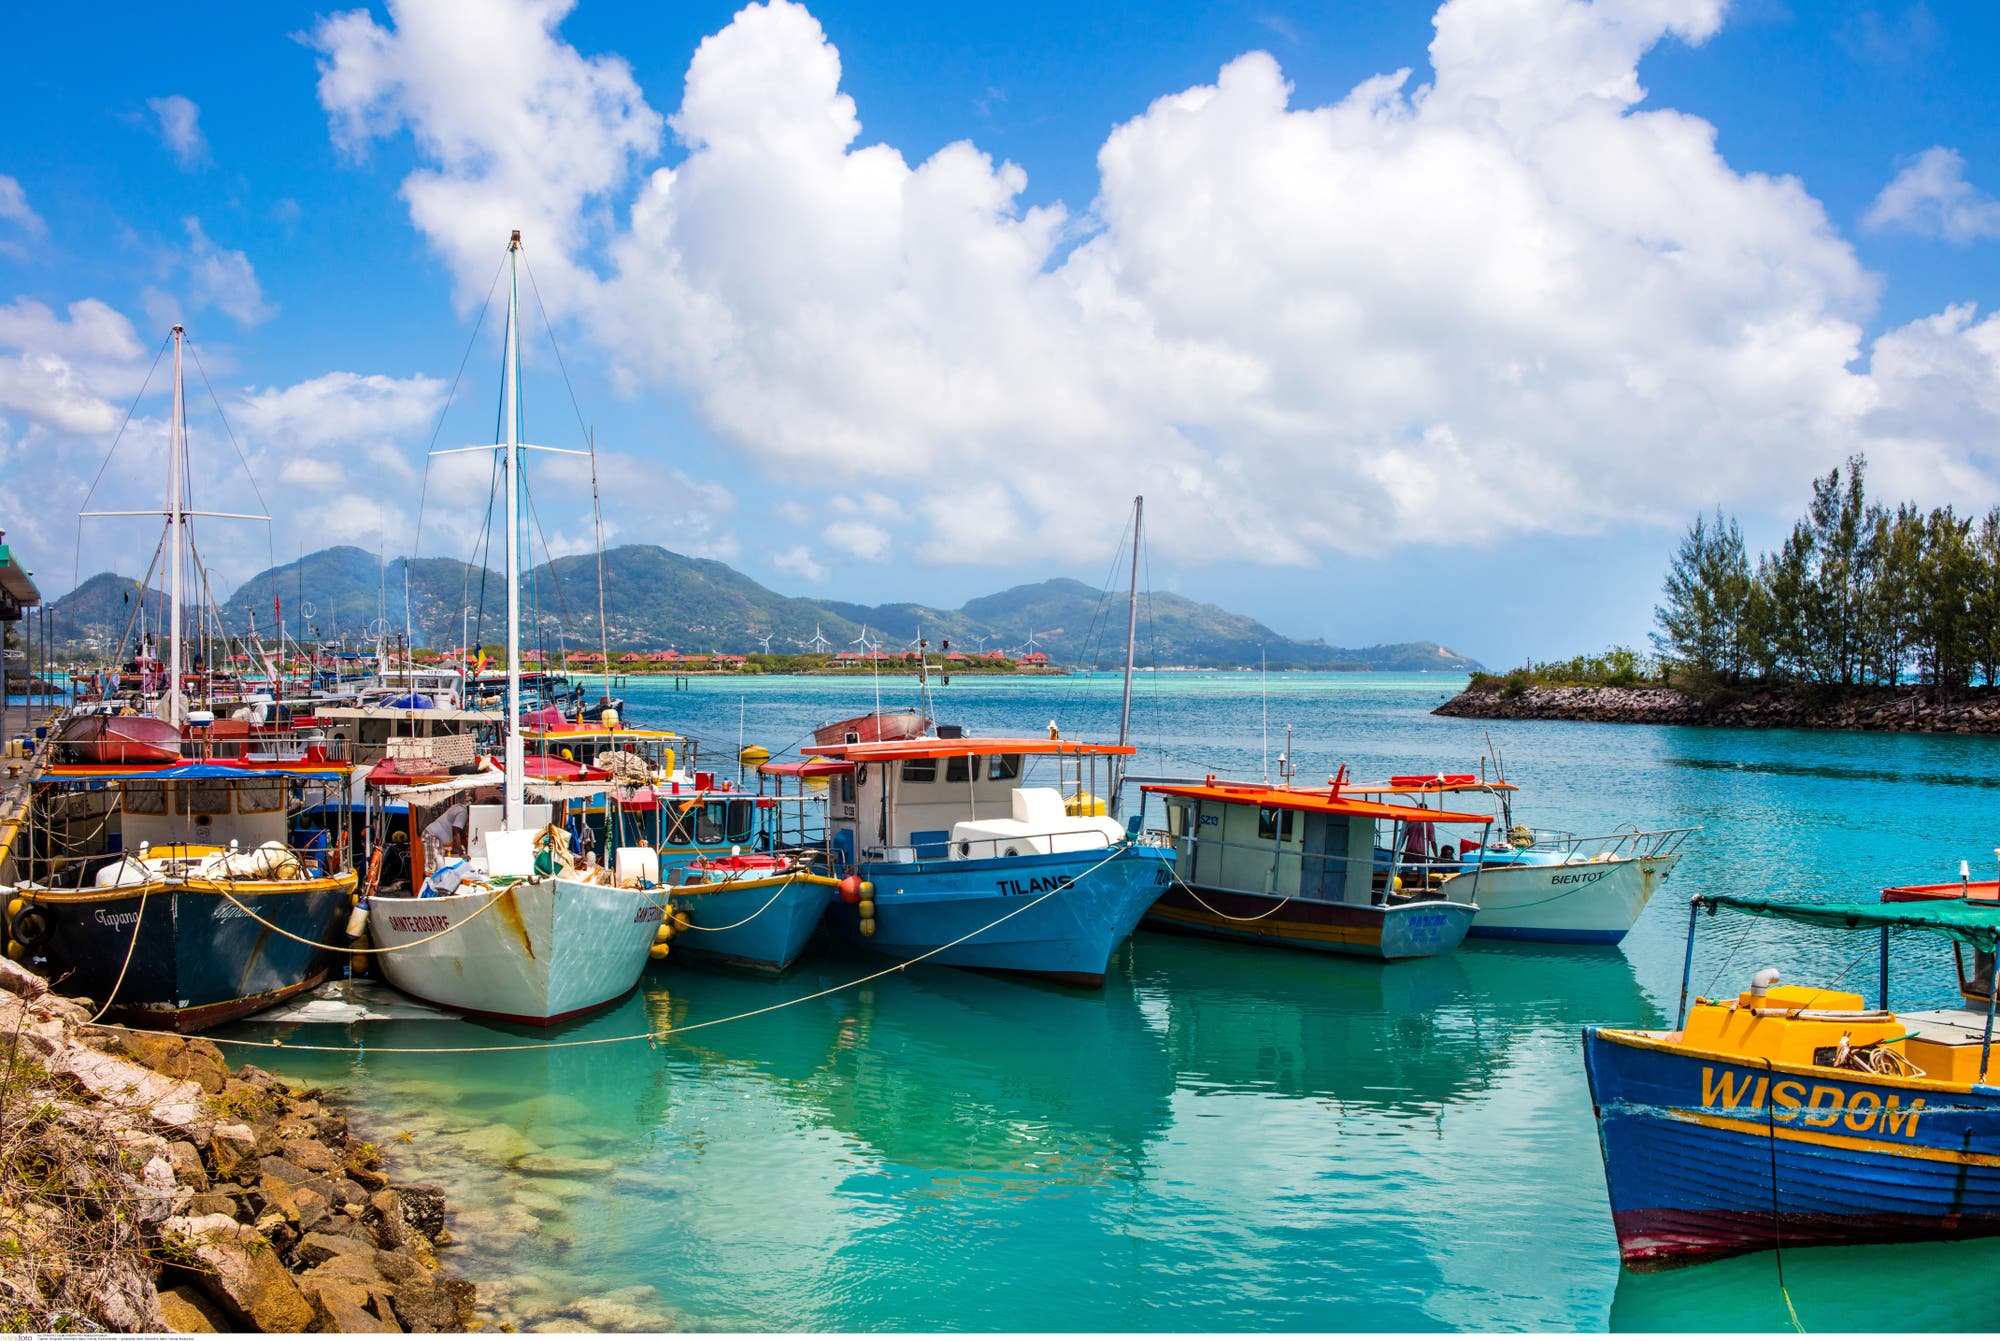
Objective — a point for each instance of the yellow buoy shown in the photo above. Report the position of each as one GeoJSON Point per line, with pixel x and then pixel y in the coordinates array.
{"type": "Point", "coordinates": [665, 932]}
{"type": "Point", "coordinates": [14, 906]}
{"type": "Point", "coordinates": [868, 926]}
{"type": "Point", "coordinates": [1397, 883]}
{"type": "Point", "coordinates": [753, 756]}
{"type": "Point", "coordinates": [867, 909]}
{"type": "Point", "coordinates": [682, 919]}
{"type": "Point", "coordinates": [867, 889]}
{"type": "Point", "coordinates": [16, 951]}
{"type": "Point", "coordinates": [359, 963]}
{"type": "Point", "coordinates": [660, 950]}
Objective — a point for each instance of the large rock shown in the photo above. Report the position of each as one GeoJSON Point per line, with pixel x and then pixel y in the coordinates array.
{"type": "Point", "coordinates": [343, 1306]}
{"type": "Point", "coordinates": [194, 1059]}
{"type": "Point", "coordinates": [173, 1105]}
{"type": "Point", "coordinates": [316, 1249]}
{"type": "Point", "coordinates": [242, 1272]}
{"type": "Point", "coordinates": [230, 1146]}
{"type": "Point", "coordinates": [183, 1308]}
{"type": "Point", "coordinates": [423, 1207]}
{"type": "Point", "coordinates": [187, 1165]}
{"type": "Point", "coordinates": [312, 1156]}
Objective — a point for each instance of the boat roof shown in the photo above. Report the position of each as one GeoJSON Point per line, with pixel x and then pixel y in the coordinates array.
{"type": "Point", "coordinates": [1318, 803]}
{"type": "Point", "coordinates": [245, 771]}
{"type": "Point", "coordinates": [1970, 922]}
{"type": "Point", "coordinates": [589, 731]}
{"type": "Point", "coordinates": [936, 747]}
{"type": "Point", "coordinates": [1420, 784]}
{"type": "Point", "coordinates": [806, 768]}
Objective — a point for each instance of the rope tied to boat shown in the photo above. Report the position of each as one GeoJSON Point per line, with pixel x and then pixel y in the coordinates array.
{"type": "Point", "coordinates": [783, 885]}
{"type": "Point", "coordinates": [656, 1034]}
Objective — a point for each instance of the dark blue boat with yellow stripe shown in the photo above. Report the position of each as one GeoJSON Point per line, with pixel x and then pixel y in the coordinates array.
{"type": "Point", "coordinates": [1792, 1116]}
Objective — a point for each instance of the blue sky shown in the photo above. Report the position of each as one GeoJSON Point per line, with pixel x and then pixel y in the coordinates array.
{"type": "Point", "coordinates": [887, 302]}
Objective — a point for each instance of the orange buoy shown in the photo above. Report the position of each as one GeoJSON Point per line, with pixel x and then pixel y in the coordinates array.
{"type": "Point", "coordinates": [850, 889]}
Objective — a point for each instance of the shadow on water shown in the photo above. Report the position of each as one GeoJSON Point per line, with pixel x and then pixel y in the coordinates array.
{"type": "Point", "coordinates": [1927, 1287]}
{"type": "Point", "coordinates": [1834, 772]}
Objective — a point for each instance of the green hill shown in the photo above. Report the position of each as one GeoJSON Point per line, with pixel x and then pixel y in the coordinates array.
{"type": "Point", "coordinates": [655, 598]}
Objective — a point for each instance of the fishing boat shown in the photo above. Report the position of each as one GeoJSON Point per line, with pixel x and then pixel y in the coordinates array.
{"type": "Point", "coordinates": [904, 724]}
{"type": "Point", "coordinates": [1312, 870]}
{"type": "Point", "coordinates": [753, 910]}
{"type": "Point", "coordinates": [186, 894]}
{"type": "Point", "coordinates": [1543, 884]}
{"type": "Point", "coordinates": [515, 931]}
{"type": "Point", "coordinates": [119, 738]}
{"type": "Point", "coordinates": [953, 860]}
{"type": "Point", "coordinates": [1790, 1115]}
{"type": "Point", "coordinates": [1976, 976]}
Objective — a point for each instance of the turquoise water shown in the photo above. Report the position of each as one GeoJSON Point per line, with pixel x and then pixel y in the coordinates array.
{"type": "Point", "coordinates": [1223, 1139]}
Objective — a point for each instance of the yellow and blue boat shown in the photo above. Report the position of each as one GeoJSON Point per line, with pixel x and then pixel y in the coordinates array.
{"type": "Point", "coordinates": [1792, 1116]}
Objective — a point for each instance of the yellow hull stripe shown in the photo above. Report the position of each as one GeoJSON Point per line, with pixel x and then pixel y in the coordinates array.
{"type": "Point", "coordinates": [1860, 1144]}
{"type": "Point", "coordinates": [346, 880]}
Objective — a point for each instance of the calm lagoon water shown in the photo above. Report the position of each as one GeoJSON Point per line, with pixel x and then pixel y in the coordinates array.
{"type": "Point", "coordinates": [1224, 1138]}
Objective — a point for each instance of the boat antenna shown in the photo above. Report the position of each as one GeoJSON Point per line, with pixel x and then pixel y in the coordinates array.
{"type": "Point", "coordinates": [1131, 653]}
{"type": "Point", "coordinates": [1264, 667]}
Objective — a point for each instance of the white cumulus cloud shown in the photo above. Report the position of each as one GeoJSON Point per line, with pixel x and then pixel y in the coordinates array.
{"type": "Point", "coordinates": [222, 279]}
{"type": "Point", "coordinates": [178, 120]}
{"type": "Point", "coordinates": [1501, 298]}
{"type": "Point", "coordinates": [1931, 196]}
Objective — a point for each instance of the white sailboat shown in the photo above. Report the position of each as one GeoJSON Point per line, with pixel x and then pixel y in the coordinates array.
{"type": "Point", "coordinates": [508, 942]}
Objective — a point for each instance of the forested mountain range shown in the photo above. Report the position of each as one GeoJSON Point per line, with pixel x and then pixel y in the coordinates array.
{"type": "Point", "coordinates": [654, 598]}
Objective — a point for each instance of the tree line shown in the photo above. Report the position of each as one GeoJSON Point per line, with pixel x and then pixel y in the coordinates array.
{"type": "Point", "coordinates": [1858, 594]}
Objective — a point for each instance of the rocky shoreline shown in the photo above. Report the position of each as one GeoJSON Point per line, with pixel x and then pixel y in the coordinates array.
{"type": "Point", "coordinates": [1903, 708]}
{"type": "Point", "coordinates": [144, 1187]}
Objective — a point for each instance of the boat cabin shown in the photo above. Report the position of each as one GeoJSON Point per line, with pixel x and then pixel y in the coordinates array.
{"type": "Point", "coordinates": [1320, 845]}
{"type": "Point", "coordinates": [962, 798]}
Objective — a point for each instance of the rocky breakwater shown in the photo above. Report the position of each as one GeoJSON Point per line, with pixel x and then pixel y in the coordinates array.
{"type": "Point", "coordinates": [1871, 708]}
{"type": "Point", "coordinates": [144, 1187]}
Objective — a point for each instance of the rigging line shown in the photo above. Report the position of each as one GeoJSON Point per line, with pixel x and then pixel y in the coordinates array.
{"type": "Point", "coordinates": [651, 1035]}
{"type": "Point", "coordinates": [597, 525]}
{"type": "Point", "coordinates": [138, 919]}
{"type": "Point", "coordinates": [76, 573]}
{"type": "Point", "coordinates": [444, 410]}
{"type": "Point", "coordinates": [270, 538]}
{"type": "Point", "coordinates": [542, 307]}
{"type": "Point", "coordinates": [783, 885]}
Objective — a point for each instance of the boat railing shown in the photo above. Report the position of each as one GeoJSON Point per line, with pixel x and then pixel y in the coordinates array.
{"type": "Point", "coordinates": [1623, 844]}
{"type": "Point", "coordinates": [1391, 874]}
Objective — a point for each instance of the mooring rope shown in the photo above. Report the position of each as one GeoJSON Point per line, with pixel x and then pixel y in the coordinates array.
{"type": "Point", "coordinates": [783, 885]}
{"type": "Point", "coordinates": [555, 1044]}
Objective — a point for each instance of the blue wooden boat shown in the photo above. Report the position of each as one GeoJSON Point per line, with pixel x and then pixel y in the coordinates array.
{"type": "Point", "coordinates": [1791, 1116]}
{"type": "Point", "coordinates": [955, 862]}
{"type": "Point", "coordinates": [181, 934]}
{"type": "Point", "coordinates": [748, 912]}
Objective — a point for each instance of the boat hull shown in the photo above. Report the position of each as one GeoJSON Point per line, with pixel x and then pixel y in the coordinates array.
{"type": "Point", "coordinates": [195, 959]}
{"type": "Point", "coordinates": [102, 738]}
{"type": "Point", "coordinates": [1404, 931]}
{"type": "Point", "coordinates": [1583, 903]}
{"type": "Point", "coordinates": [1708, 1156]}
{"type": "Point", "coordinates": [1094, 899]}
{"type": "Point", "coordinates": [546, 950]}
{"type": "Point", "coordinates": [764, 927]}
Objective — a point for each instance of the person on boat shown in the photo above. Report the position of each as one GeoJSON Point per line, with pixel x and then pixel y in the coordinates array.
{"type": "Point", "coordinates": [445, 835]}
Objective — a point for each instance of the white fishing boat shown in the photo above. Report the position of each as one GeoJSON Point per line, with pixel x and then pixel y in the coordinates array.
{"type": "Point", "coordinates": [509, 933]}
{"type": "Point", "coordinates": [1542, 884]}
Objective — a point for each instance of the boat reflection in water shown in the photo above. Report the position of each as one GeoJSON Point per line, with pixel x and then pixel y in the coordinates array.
{"type": "Point", "coordinates": [1878, 1288]}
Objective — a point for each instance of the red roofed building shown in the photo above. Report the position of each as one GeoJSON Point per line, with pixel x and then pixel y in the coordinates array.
{"type": "Point", "coordinates": [1035, 659]}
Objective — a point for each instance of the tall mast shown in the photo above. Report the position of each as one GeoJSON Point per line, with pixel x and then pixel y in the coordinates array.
{"type": "Point", "coordinates": [511, 397]}
{"type": "Point", "coordinates": [176, 446]}
{"type": "Point", "coordinates": [1131, 650]}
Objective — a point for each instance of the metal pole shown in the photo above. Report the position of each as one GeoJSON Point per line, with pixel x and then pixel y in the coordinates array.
{"type": "Point", "coordinates": [515, 800]}
{"type": "Point", "coordinates": [1687, 964]}
{"type": "Point", "coordinates": [1992, 998]}
{"type": "Point", "coordinates": [176, 444]}
{"type": "Point", "coordinates": [1883, 1002]}
{"type": "Point", "coordinates": [1131, 652]}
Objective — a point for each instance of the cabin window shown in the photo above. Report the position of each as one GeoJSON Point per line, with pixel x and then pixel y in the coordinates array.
{"type": "Point", "coordinates": [679, 828]}
{"type": "Point", "coordinates": [736, 819]}
{"type": "Point", "coordinates": [1274, 823]}
{"type": "Point", "coordinates": [961, 768]}
{"type": "Point", "coordinates": [1177, 813]}
{"type": "Point", "coordinates": [259, 798]}
{"type": "Point", "coordinates": [847, 788]}
{"type": "Point", "coordinates": [1001, 767]}
{"type": "Point", "coordinates": [920, 770]}
{"type": "Point", "coordinates": [202, 798]}
{"type": "Point", "coordinates": [145, 798]}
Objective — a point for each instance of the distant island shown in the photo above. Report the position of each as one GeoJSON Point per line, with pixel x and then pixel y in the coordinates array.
{"type": "Point", "coordinates": [657, 601]}
{"type": "Point", "coordinates": [1866, 618]}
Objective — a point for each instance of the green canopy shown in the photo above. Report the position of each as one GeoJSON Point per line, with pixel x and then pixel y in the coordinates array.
{"type": "Point", "coordinates": [1974, 924]}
